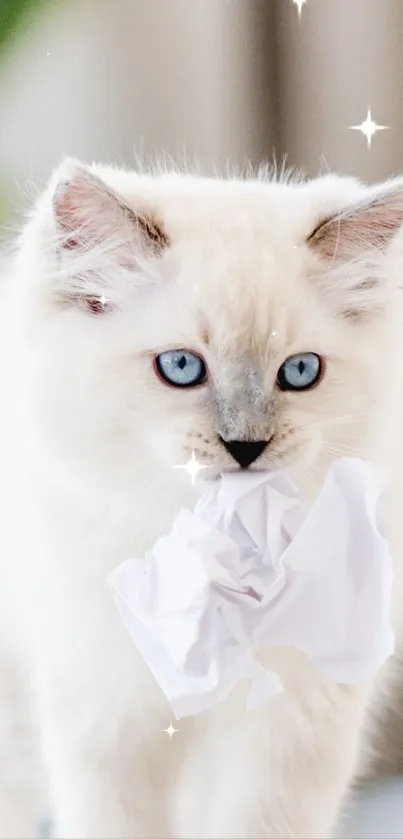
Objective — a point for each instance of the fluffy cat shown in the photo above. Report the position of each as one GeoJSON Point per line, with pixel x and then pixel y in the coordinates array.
{"type": "Point", "coordinates": [113, 270]}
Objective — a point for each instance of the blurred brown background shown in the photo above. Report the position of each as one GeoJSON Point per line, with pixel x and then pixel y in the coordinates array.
{"type": "Point", "coordinates": [212, 80]}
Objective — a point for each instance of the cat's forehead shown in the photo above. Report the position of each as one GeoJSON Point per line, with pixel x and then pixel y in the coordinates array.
{"type": "Point", "coordinates": [235, 260]}
{"type": "Point", "coordinates": [238, 256]}
{"type": "Point", "coordinates": [232, 238]}
{"type": "Point", "coordinates": [196, 207]}
{"type": "Point", "coordinates": [242, 295]}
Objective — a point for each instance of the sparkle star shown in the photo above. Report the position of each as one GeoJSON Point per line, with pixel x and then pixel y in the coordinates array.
{"type": "Point", "coordinates": [368, 128]}
{"type": "Point", "coordinates": [192, 466]}
{"type": "Point", "coordinates": [299, 4]}
{"type": "Point", "coordinates": [170, 730]}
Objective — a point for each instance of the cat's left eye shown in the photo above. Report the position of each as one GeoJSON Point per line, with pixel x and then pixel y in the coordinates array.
{"type": "Point", "coordinates": [181, 368]}
{"type": "Point", "coordinates": [299, 372]}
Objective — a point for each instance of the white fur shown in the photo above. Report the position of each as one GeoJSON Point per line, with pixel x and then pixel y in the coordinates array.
{"type": "Point", "coordinates": [89, 437]}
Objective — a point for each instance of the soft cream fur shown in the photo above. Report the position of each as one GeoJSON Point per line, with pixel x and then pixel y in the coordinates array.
{"type": "Point", "coordinates": [89, 437]}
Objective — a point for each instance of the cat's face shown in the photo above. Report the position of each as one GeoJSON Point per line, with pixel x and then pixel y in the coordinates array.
{"type": "Point", "coordinates": [179, 318]}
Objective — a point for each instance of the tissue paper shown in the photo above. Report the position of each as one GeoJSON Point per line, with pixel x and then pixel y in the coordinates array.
{"type": "Point", "coordinates": [252, 566]}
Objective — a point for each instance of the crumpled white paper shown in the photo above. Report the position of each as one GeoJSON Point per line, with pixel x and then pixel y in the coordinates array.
{"type": "Point", "coordinates": [253, 566]}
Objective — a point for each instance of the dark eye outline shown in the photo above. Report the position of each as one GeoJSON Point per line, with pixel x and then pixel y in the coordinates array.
{"type": "Point", "coordinates": [191, 385]}
{"type": "Point", "coordinates": [283, 385]}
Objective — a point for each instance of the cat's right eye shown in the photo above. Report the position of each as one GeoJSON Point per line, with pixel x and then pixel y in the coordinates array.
{"type": "Point", "coordinates": [181, 368]}
{"type": "Point", "coordinates": [300, 372]}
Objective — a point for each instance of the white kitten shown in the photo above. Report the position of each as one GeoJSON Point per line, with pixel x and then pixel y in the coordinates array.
{"type": "Point", "coordinates": [113, 270]}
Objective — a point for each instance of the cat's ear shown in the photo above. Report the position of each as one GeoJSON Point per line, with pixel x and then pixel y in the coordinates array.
{"type": "Point", "coordinates": [353, 246]}
{"type": "Point", "coordinates": [366, 226]}
{"type": "Point", "coordinates": [106, 247]}
{"type": "Point", "coordinates": [88, 213]}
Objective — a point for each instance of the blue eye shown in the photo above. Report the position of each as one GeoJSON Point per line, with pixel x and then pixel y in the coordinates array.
{"type": "Point", "coordinates": [299, 372]}
{"type": "Point", "coordinates": [181, 368]}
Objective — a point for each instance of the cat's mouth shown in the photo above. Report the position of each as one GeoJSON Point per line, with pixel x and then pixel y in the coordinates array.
{"type": "Point", "coordinates": [234, 463]}
{"type": "Point", "coordinates": [236, 469]}
{"type": "Point", "coordinates": [214, 473]}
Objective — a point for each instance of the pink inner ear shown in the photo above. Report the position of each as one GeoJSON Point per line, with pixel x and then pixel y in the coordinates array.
{"type": "Point", "coordinates": [85, 209]}
{"type": "Point", "coordinates": [88, 213]}
{"type": "Point", "coordinates": [366, 227]}
{"type": "Point", "coordinates": [69, 204]}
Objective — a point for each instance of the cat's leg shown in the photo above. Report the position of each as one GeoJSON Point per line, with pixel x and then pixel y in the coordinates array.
{"type": "Point", "coordinates": [20, 772]}
{"type": "Point", "coordinates": [276, 773]}
{"type": "Point", "coordinates": [103, 721]}
{"type": "Point", "coordinates": [383, 754]}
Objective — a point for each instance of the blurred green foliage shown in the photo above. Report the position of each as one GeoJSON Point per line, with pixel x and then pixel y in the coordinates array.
{"type": "Point", "coordinates": [14, 16]}
{"type": "Point", "coordinates": [3, 208]}
{"type": "Point", "coordinates": [13, 13]}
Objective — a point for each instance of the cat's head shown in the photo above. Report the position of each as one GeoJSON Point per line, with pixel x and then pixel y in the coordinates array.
{"type": "Point", "coordinates": [250, 322]}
